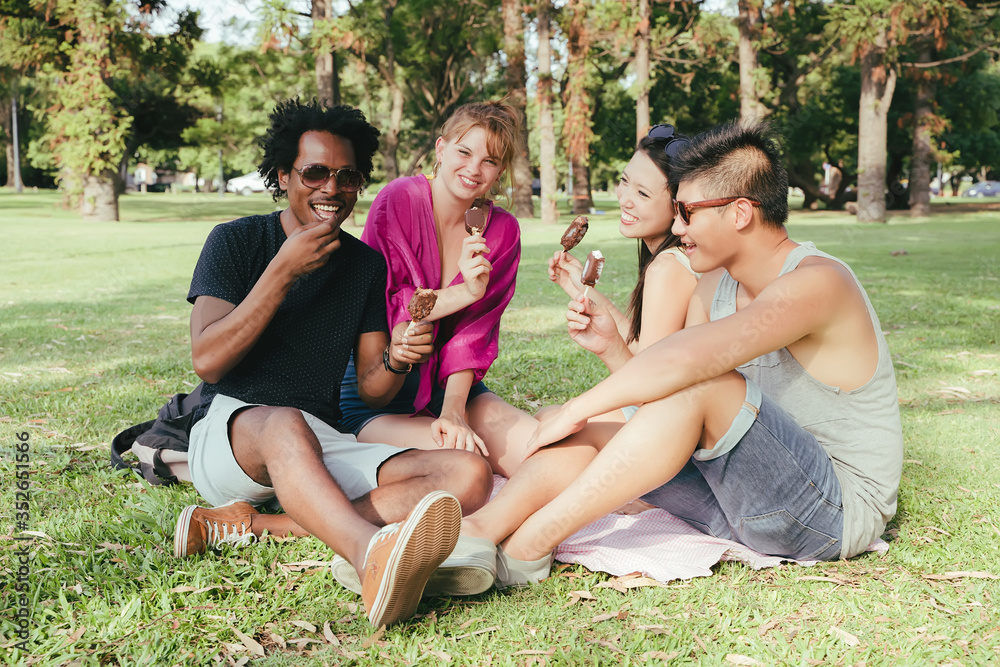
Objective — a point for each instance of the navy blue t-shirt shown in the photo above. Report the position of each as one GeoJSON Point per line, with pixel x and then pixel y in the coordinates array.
{"type": "Point", "coordinates": [300, 358]}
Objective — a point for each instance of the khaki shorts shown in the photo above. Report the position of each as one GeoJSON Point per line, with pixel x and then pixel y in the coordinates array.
{"type": "Point", "coordinates": [219, 478]}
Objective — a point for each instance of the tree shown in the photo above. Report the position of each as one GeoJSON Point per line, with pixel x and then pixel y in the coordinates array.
{"type": "Point", "coordinates": [749, 18]}
{"type": "Point", "coordinates": [513, 45]}
{"type": "Point", "coordinates": [546, 125]}
{"type": "Point", "coordinates": [642, 42]}
{"type": "Point", "coordinates": [577, 102]}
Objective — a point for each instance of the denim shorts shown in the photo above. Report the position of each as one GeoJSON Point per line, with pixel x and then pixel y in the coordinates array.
{"type": "Point", "coordinates": [774, 489]}
{"type": "Point", "coordinates": [356, 415]}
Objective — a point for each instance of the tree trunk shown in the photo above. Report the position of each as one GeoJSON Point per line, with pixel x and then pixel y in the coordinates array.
{"type": "Point", "coordinates": [327, 76]}
{"type": "Point", "coordinates": [923, 118]}
{"type": "Point", "coordinates": [546, 125]}
{"type": "Point", "coordinates": [577, 103]}
{"type": "Point", "coordinates": [878, 83]}
{"type": "Point", "coordinates": [641, 61]}
{"type": "Point", "coordinates": [751, 108]}
{"type": "Point", "coordinates": [100, 201]}
{"type": "Point", "coordinates": [513, 46]}
{"type": "Point", "coordinates": [390, 137]}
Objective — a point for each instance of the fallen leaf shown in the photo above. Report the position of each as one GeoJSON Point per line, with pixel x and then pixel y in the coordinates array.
{"type": "Point", "coordinates": [252, 645]}
{"type": "Point", "coordinates": [77, 634]}
{"type": "Point", "coordinates": [329, 636]}
{"type": "Point", "coordinates": [961, 575]}
{"type": "Point", "coordinates": [492, 628]}
{"type": "Point", "coordinates": [551, 651]}
{"type": "Point", "coordinates": [576, 596]}
{"type": "Point", "coordinates": [659, 655]}
{"type": "Point", "coordinates": [832, 580]}
{"type": "Point", "coordinates": [764, 629]}
{"type": "Point", "coordinates": [847, 637]}
{"type": "Point", "coordinates": [737, 659]}
{"type": "Point", "coordinates": [374, 637]}
{"type": "Point", "coordinates": [981, 373]}
{"type": "Point", "coordinates": [440, 655]}
{"type": "Point", "coordinates": [305, 625]}
{"type": "Point", "coordinates": [277, 639]}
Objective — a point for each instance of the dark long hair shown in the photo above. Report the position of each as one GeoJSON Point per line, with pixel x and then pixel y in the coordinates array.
{"type": "Point", "coordinates": [655, 150]}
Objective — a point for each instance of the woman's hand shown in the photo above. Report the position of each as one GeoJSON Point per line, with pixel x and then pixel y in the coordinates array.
{"type": "Point", "coordinates": [565, 271]}
{"type": "Point", "coordinates": [553, 425]}
{"type": "Point", "coordinates": [592, 327]}
{"type": "Point", "coordinates": [450, 431]}
{"type": "Point", "coordinates": [473, 266]}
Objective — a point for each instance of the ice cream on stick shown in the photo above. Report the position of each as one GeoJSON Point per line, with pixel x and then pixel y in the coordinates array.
{"type": "Point", "coordinates": [420, 306]}
{"type": "Point", "coordinates": [592, 269]}
{"type": "Point", "coordinates": [574, 233]}
{"type": "Point", "coordinates": [475, 220]}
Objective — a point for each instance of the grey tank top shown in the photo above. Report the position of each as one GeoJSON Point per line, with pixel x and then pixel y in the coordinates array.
{"type": "Point", "coordinates": [860, 429]}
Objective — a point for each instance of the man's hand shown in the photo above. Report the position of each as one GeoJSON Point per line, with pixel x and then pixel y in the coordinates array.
{"type": "Point", "coordinates": [474, 267]}
{"type": "Point", "coordinates": [308, 248]}
{"type": "Point", "coordinates": [565, 271]}
{"type": "Point", "coordinates": [411, 343]}
{"type": "Point", "coordinates": [553, 426]}
{"type": "Point", "coordinates": [450, 431]}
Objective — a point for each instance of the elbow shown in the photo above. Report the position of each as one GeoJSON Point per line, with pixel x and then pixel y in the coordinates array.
{"type": "Point", "coordinates": [205, 369]}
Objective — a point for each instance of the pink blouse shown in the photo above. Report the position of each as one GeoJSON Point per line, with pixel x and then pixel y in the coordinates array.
{"type": "Point", "coordinates": [401, 226]}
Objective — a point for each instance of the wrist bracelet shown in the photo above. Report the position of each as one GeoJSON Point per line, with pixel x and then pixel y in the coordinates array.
{"type": "Point", "coordinates": [389, 367]}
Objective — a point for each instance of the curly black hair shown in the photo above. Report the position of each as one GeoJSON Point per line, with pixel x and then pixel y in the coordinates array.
{"type": "Point", "coordinates": [293, 118]}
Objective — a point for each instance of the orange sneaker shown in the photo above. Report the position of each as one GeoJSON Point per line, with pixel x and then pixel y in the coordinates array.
{"type": "Point", "coordinates": [402, 556]}
{"type": "Point", "coordinates": [201, 527]}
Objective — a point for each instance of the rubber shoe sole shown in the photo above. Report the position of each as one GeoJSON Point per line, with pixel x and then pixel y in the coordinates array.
{"type": "Point", "coordinates": [399, 563]}
{"type": "Point", "coordinates": [471, 569]}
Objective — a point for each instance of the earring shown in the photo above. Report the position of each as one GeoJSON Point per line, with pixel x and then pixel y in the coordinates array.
{"type": "Point", "coordinates": [496, 188]}
{"type": "Point", "coordinates": [434, 171]}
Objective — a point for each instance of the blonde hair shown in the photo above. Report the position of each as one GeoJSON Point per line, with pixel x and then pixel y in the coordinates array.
{"type": "Point", "coordinates": [504, 125]}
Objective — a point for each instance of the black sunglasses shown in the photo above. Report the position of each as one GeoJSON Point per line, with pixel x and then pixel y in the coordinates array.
{"type": "Point", "coordinates": [316, 176]}
{"type": "Point", "coordinates": [685, 208]}
{"type": "Point", "coordinates": [675, 143]}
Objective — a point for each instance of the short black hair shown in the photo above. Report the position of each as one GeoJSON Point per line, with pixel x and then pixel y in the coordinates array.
{"type": "Point", "coordinates": [293, 118]}
{"type": "Point", "coordinates": [737, 160]}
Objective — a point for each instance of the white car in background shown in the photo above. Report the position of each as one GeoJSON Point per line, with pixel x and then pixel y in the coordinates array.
{"type": "Point", "coordinates": [246, 184]}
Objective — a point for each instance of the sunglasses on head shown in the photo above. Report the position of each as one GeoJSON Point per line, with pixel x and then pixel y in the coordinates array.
{"type": "Point", "coordinates": [675, 144]}
{"type": "Point", "coordinates": [316, 176]}
{"type": "Point", "coordinates": [684, 208]}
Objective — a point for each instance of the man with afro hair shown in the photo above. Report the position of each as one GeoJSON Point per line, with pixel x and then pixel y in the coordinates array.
{"type": "Point", "coordinates": [280, 302]}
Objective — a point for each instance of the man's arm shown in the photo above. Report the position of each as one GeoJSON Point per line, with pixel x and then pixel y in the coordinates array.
{"type": "Point", "coordinates": [223, 333]}
{"type": "Point", "coordinates": [377, 385]}
{"type": "Point", "coordinates": [801, 303]}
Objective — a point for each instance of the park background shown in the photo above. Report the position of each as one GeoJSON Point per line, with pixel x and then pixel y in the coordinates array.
{"type": "Point", "coordinates": [93, 321]}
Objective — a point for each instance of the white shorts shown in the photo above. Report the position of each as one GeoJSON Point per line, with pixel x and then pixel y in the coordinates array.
{"type": "Point", "coordinates": [219, 478]}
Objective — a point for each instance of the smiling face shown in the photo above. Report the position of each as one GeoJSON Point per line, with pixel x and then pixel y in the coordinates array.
{"type": "Point", "coordinates": [647, 209]}
{"type": "Point", "coordinates": [468, 168]}
{"type": "Point", "coordinates": [308, 206]}
{"type": "Point", "coordinates": [708, 239]}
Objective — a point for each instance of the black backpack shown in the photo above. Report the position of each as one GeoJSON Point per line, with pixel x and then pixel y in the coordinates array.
{"type": "Point", "coordinates": [161, 444]}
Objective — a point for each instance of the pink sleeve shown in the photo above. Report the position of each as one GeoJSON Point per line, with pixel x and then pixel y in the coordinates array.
{"type": "Point", "coordinates": [474, 333]}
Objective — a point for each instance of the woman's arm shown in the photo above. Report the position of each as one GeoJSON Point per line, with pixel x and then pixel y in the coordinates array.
{"type": "Point", "coordinates": [451, 430]}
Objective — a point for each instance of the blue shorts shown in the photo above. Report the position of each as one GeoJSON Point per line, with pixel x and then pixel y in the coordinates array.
{"type": "Point", "coordinates": [774, 489]}
{"type": "Point", "coordinates": [356, 414]}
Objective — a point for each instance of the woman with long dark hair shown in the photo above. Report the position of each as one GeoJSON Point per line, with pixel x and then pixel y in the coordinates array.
{"type": "Point", "coordinates": [659, 302]}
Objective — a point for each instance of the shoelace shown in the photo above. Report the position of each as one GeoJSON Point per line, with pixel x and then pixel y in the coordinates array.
{"type": "Point", "coordinates": [237, 537]}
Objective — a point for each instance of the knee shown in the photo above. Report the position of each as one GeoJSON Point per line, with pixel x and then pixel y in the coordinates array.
{"type": "Point", "coordinates": [284, 431]}
{"type": "Point", "coordinates": [468, 477]}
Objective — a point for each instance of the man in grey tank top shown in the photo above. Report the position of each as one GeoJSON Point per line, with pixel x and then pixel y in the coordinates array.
{"type": "Point", "coordinates": [771, 419]}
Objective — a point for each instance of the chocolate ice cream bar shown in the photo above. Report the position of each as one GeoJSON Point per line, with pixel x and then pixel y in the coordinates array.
{"type": "Point", "coordinates": [422, 304]}
{"type": "Point", "coordinates": [592, 268]}
{"type": "Point", "coordinates": [574, 233]}
{"type": "Point", "coordinates": [475, 220]}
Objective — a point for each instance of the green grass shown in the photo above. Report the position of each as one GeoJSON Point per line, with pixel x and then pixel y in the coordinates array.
{"type": "Point", "coordinates": [93, 338]}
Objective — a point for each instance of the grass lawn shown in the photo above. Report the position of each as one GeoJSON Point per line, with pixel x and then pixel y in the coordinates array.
{"type": "Point", "coordinates": [94, 337]}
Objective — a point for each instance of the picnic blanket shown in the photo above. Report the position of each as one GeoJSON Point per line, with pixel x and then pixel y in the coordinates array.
{"type": "Point", "coordinates": [658, 545]}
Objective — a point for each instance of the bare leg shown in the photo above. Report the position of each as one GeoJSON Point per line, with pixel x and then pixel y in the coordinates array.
{"type": "Point", "coordinates": [403, 481]}
{"type": "Point", "coordinates": [532, 483]}
{"type": "Point", "coordinates": [276, 448]}
{"type": "Point", "coordinates": [648, 451]}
